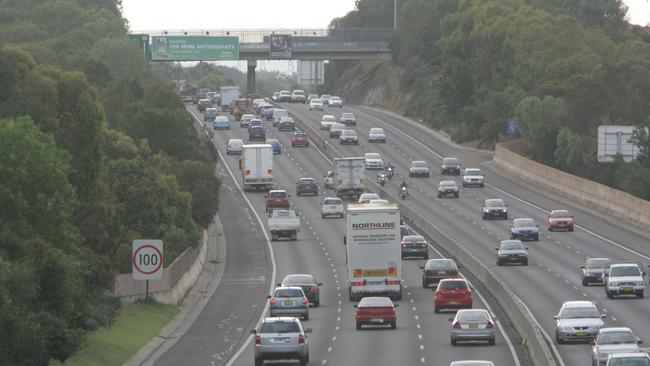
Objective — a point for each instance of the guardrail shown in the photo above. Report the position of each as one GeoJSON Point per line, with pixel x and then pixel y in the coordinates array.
{"type": "Point", "coordinates": [517, 312]}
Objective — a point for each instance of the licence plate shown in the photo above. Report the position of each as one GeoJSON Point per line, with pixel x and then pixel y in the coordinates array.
{"type": "Point", "coordinates": [581, 334]}
{"type": "Point", "coordinates": [288, 302]}
{"type": "Point", "coordinates": [442, 272]}
{"type": "Point", "coordinates": [333, 207]}
{"type": "Point", "coordinates": [453, 302]}
{"type": "Point", "coordinates": [473, 326]}
{"type": "Point", "coordinates": [377, 320]}
{"type": "Point", "coordinates": [627, 289]}
{"type": "Point", "coordinates": [280, 340]}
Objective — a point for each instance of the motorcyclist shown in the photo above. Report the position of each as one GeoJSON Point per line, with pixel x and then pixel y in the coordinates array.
{"type": "Point", "coordinates": [403, 193]}
{"type": "Point", "coordinates": [403, 185]}
{"type": "Point", "coordinates": [381, 178]}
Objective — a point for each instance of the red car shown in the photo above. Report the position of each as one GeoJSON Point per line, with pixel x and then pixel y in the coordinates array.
{"type": "Point", "coordinates": [376, 311]}
{"type": "Point", "coordinates": [299, 139]}
{"type": "Point", "coordinates": [560, 220]}
{"type": "Point", "coordinates": [452, 293]}
{"type": "Point", "coordinates": [277, 199]}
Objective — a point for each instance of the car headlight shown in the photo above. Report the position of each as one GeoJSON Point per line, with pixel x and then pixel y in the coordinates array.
{"type": "Point", "coordinates": [504, 210]}
{"type": "Point", "coordinates": [640, 283]}
{"type": "Point", "coordinates": [613, 284]}
{"type": "Point", "coordinates": [564, 328]}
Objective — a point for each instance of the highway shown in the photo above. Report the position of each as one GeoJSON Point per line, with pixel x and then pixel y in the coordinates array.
{"type": "Point", "coordinates": [553, 275]}
{"type": "Point", "coordinates": [421, 337]}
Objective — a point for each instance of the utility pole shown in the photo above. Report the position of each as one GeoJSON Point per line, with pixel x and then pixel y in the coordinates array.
{"type": "Point", "coordinates": [395, 13]}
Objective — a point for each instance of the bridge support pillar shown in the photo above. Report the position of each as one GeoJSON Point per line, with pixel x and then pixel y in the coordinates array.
{"type": "Point", "coordinates": [250, 77]}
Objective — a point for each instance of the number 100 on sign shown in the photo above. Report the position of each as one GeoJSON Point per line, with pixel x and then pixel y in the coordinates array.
{"type": "Point", "coordinates": [147, 259]}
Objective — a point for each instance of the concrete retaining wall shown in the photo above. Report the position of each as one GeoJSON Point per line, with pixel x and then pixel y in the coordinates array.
{"type": "Point", "coordinates": [178, 278]}
{"type": "Point", "coordinates": [518, 314]}
{"type": "Point", "coordinates": [614, 202]}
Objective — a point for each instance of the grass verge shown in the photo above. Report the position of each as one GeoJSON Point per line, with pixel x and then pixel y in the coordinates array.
{"type": "Point", "coordinates": [134, 326]}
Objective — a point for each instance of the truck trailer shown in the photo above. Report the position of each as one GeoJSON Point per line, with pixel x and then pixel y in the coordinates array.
{"type": "Point", "coordinates": [349, 177]}
{"type": "Point", "coordinates": [256, 164]}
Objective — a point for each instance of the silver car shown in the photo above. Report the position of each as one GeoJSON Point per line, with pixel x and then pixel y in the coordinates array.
{"type": "Point", "coordinates": [629, 359]}
{"type": "Point", "coordinates": [332, 206]}
{"type": "Point", "coordinates": [376, 134]}
{"type": "Point", "coordinates": [281, 339]}
{"type": "Point", "coordinates": [289, 301]}
{"type": "Point", "coordinates": [473, 177]}
{"type": "Point", "coordinates": [613, 340]}
{"type": "Point", "coordinates": [473, 325]}
{"type": "Point", "coordinates": [419, 168]}
{"type": "Point", "coordinates": [577, 320]}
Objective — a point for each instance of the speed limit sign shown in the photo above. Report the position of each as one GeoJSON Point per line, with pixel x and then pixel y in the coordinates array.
{"type": "Point", "coordinates": [147, 259]}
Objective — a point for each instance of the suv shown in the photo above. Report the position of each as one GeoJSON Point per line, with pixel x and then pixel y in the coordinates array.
{"type": "Point", "coordinates": [277, 199]}
{"type": "Point", "coordinates": [577, 321]}
{"type": "Point", "coordinates": [287, 124]}
{"type": "Point", "coordinates": [256, 133]}
{"type": "Point", "coordinates": [624, 279]}
{"type": "Point", "coordinates": [495, 208]}
{"type": "Point", "coordinates": [448, 188]}
{"type": "Point", "coordinates": [473, 177]}
{"type": "Point", "coordinates": [210, 114]}
{"type": "Point", "coordinates": [349, 137]}
{"type": "Point", "coordinates": [280, 339]}
{"type": "Point", "coordinates": [278, 114]}
{"type": "Point", "coordinates": [298, 96]}
{"type": "Point", "coordinates": [450, 166]}
{"type": "Point", "coordinates": [306, 185]}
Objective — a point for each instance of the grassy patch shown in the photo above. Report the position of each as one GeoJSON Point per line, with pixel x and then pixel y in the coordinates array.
{"type": "Point", "coordinates": [134, 326]}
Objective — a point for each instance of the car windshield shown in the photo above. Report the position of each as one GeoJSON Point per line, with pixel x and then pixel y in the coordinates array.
{"type": "Point", "coordinates": [377, 131]}
{"type": "Point", "coordinates": [625, 271]}
{"type": "Point", "coordinates": [348, 133]}
{"type": "Point", "coordinates": [247, 116]}
{"type": "Point", "coordinates": [597, 263]}
{"type": "Point", "coordinates": [333, 201]}
{"type": "Point", "coordinates": [448, 183]}
{"type": "Point", "coordinates": [298, 280]}
{"type": "Point", "coordinates": [441, 264]}
{"type": "Point", "coordinates": [616, 338]}
{"type": "Point", "coordinates": [629, 361]}
{"type": "Point", "coordinates": [414, 239]}
{"type": "Point", "coordinates": [560, 214]}
{"type": "Point", "coordinates": [279, 327]}
{"type": "Point", "coordinates": [316, 101]}
{"type": "Point", "coordinates": [299, 134]}
{"type": "Point", "coordinates": [473, 316]}
{"type": "Point", "coordinates": [373, 156]}
{"type": "Point", "coordinates": [307, 181]}
{"type": "Point", "coordinates": [350, 115]}
{"type": "Point", "coordinates": [278, 194]}
{"type": "Point", "coordinates": [328, 119]}
{"type": "Point", "coordinates": [272, 141]}
{"type": "Point", "coordinates": [280, 113]}
{"type": "Point", "coordinates": [419, 164]}
{"type": "Point", "coordinates": [494, 203]}
{"type": "Point", "coordinates": [511, 245]}
{"type": "Point", "coordinates": [450, 161]}
{"type": "Point", "coordinates": [369, 196]}
{"type": "Point", "coordinates": [524, 223]}
{"type": "Point", "coordinates": [453, 285]}
{"type": "Point", "coordinates": [288, 292]}
{"type": "Point", "coordinates": [221, 119]}
{"type": "Point", "coordinates": [578, 313]}
{"type": "Point", "coordinates": [335, 98]}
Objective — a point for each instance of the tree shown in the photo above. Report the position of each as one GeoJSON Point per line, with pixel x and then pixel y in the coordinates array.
{"type": "Point", "coordinates": [540, 120]}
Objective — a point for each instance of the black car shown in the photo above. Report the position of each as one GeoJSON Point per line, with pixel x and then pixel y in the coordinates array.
{"type": "Point", "coordinates": [512, 251]}
{"type": "Point", "coordinates": [287, 126]}
{"type": "Point", "coordinates": [256, 133]}
{"type": "Point", "coordinates": [593, 269]}
{"type": "Point", "coordinates": [450, 166]}
{"type": "Point", "coordinates": [448, 188]}
{"type": "Point", "coordinates": [307, 185]}
{"type": "Point", "coordinates": [307, 283]}
{"type": "Point", "coordinates": [495, 209]}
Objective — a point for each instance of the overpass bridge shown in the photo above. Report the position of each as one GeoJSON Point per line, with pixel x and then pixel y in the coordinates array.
{"type": "Point", "coordinates": [364, 43]}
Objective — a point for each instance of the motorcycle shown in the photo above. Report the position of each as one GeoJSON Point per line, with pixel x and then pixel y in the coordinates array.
{"type": "Point", "coordinates": [403, 193]}
{"type": "Point", "coordinates": [390, 171]}
{"type": "Point", "coordinates": [382, 179]}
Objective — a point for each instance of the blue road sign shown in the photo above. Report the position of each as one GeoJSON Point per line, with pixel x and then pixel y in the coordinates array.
{"type": "Point", "coordinates": [513, 127]}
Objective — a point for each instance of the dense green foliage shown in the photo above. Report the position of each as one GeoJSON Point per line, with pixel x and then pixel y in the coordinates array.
{"type": "Point", "coordinates": [97, 150]}
{"type": "Point", "coordinates": [560, 68]}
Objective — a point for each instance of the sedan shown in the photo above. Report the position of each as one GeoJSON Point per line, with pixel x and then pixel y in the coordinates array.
{"type": "Point", "coordinates": [447, 188]}
{"type": "Point", "coordinates": [376, 311]}
{"type": "Point", "coordinates": [629, 359]}
{"type": "Point", "coordinates": [327, 121]}
{"type": "Point", "coordinates": [308, 285]}
{"type": "Point", "coordinates": [419, 168]}
{"type": "Point", "coordinates": [452, 293]}
{"type": "Point", "coordinates": [512, 251]}
{"type": "Point", "coordinates": [316, 104]}
{"type": "Point", "coordinates": [245, 120]}
{"type": "Point", "coordinates": [524, 229]}
{"type": "Point", "coordinates": [289, 301]}
{"type": "Point", "coordinates": [221, 123]}
{"type": "Point", "coordinates": [450, 166]}
{"type": "Point", "coordinates": [495, 208]}
{"type": "Point", "coordinates": [613, 340]}
{"type": "Point", "coordinates": [577, 321]}
{"type": "Point", "coordinates": [593, 270]}
{"type": "Point", "coordinates": [299, 139]}
{"type": "Point", "coordinates": [336, 129]}
{"type": "Point", "coordinates": [376, 135]}
{"type": "Point", "coordinates": [234, 146]}
{"type": "Point", "coordinates": [332, 206]}
{"type": "Point", "coordinates": [348, 118]}
{"type": "Point", "coordinates": [281, 339]}
{"type": "Point", "coordinates": [414, 246]}
{"type": "Point", "coordinates": [306, 185]}
{"type": "Point", "coordinates": [287, 124]}
{"type": "Point", "coordinates": [473, 325]}
{"type": "Point", "coordinates": [335, 102]}
{"type": "Point", "coordinates": [349, 137]}
{"type": "Point", "coordinates": [275, 144]}
{"type": "Point", "coordinates": [560, 220]}
{"type": "Point", "coordinates": [438, 269]}
{"type": "Point", "coordinates": [374, 161]}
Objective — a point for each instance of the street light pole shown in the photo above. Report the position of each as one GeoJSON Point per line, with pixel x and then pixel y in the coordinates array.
{"type": "Point", "coordinates": [395, 15]}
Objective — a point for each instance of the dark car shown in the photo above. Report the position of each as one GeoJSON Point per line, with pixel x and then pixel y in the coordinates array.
{"type": "Point", "coordinates": [512, 251]}
{"type": "Point", "coordinates": [593, 270]}
{"type": "Point", "coordinates": [275, 143]}
{"type": "Point", "coordinates": [450, 166]}
{"type": "Point", "coordinates": [414, 246]}
{"type": "Point", "coordinates": [307, 283]}
{"type": "Point", "coordinates": [494, 208]}
{"type": "Point", "coordinates": [524, 229]}
{"type": "Point", "coordinates": [405, 230]}
{"type": "Point", "coordinates": [307, 185]}
{"type": "Point", "coordinates": [438, 269]}
{"type": "Point", "coordinates": [268, 114]}
{"type": "Point", "coordinates": [256, 133]}
{"type": "Point", "coordinates": [287, 124]}
{"type": "Point", "coordinates": [448, 188]}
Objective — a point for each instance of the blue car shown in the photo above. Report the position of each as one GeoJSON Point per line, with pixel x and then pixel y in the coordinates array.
{"type": "Point", "coordinates": [524, 229]}
{"type": "Point", "coordinates": [277, 147]}
{"type": "Point", "coordinates": [268, 114]}
{"type": "Point", "coordinates": [221, 123]}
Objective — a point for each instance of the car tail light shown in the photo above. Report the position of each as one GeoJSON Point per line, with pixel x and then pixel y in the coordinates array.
{"type": "Point", "coordinates": [269, 171]}
{"type": "Point", "coordinates": [301, 339]}
{"type": "Point", "coordinates": [273, 301]}
{"type": "Point", "coordinates": [258, 340]}
{"type": "Point", "coordinates": [392, 282]}
{"type": "Point", "coordinates": [403, 245]}
{"type": "Point", "coordinates": [490, 325]}
{"type": "Point", "coordinates": [358, 283]}
{"type": "Point", "coordinates": [456, 325]}
{"type": "Point", "coordinates": [304, 301]}
{"type": "Point", "coordinates": [423, 245]}
{"type": "Point", "coordinates": [313, 289]}
{"type": "Point", "coordinates": [248, 172]}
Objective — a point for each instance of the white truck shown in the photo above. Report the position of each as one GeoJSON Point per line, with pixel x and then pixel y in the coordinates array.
{"type": "Point", "coordinates": [624, 278]}
{"type": "Point", "coordinates": [256, 164]}
{"type": "Point", "coordinates": [349, 177]}
{"type": "Point", "coordinates": [373, 251]}
{"type": "Point", "coordinates": [228, 95]}
{"type": "Point", "coordinates": [284, 224]}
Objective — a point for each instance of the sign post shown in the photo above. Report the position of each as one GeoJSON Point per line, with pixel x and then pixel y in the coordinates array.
{"type": "Point", "coordinates": [147, 261]}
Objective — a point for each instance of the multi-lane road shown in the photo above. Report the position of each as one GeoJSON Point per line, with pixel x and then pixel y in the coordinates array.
{"type": "Point", "coordinates": [422, 337]}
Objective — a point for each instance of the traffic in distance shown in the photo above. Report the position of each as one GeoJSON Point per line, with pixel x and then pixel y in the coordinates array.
{"type": "Point", "coordinates": [377, 240]}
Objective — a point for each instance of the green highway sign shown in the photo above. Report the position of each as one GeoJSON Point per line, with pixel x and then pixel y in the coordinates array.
{"type": "Point", "coordinates": [194, 48]}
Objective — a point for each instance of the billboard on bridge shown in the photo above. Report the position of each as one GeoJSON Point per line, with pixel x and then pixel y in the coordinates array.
{"type": "Point", "coordinates": [280, 46]}
{"type": "Point", "coordinates": [194, 48]}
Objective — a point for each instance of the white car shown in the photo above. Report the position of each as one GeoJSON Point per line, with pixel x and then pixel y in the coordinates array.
{"type": "Point", "coordinates": [349, 137]}
{"type": "Point", "coordinates": [374, 161]}
{"type": "Point", "coordinates": [336, 129]}
{"type": "Point", "coordinates": [327, 121]}
{"type": "Point", "coordinates": [473, 177]}
{"type": "Point", "coordinates": [629, 359]}
{"type": "Point", "coordinates": [613, 340]}
{"type": "Point", "coordinates": [376, 134]}
{"type": "Point", "coordinates": [367, 197]}
{"type": "Point", "coordinates": [332, 206]}
{"type": "Point", "coordinates": [245, 120]}
{"type": "Point", "coordinates": [316, 104]}
{"type": "Point", "coordinates": [234, 146]}
{"type": "Point", "coordinates": [329, 179]}
{"type": "Point", "coordinates": [335, 102]}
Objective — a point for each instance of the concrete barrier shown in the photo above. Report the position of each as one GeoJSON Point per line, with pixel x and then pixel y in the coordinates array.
{"type": "Point", "coordinates": [517, 312]}
{"type": "Point", "coordinates": [596, 195]}
{"type": "Point", "coordinates": [178, 278]}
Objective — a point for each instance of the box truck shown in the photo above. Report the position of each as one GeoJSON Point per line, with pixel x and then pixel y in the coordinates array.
{"type": "Point", "coordinates": [256, 164]}
{"type": "Point", "coordinates": [349, 177]}
{"type": "Point", "coordinates": [373, 252]}
{"type": "Point", "coordinates": [228, 95]}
